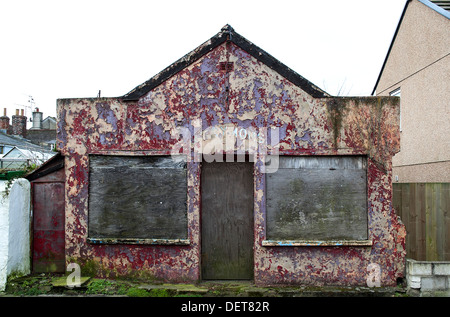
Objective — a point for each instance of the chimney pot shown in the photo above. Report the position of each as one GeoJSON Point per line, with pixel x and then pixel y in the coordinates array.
{"type": "Point", "coordinates": [37, 119]}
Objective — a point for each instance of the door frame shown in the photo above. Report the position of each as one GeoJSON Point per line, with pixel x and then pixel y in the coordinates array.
{"type": "Point", "coordinates": [52, 172]}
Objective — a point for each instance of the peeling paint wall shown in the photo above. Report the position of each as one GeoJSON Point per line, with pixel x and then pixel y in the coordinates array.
{"type": "Point", "coordinates": [251, 96]}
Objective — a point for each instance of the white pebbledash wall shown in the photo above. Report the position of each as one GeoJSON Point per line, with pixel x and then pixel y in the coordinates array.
{"type": "Point", "coordinates": [4, 208]}
{"type": "Point", "coordinates": [15, 231]}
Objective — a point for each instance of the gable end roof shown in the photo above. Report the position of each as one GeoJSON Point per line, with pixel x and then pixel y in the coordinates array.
{"type": "Point", "coordinates": [227, 33]}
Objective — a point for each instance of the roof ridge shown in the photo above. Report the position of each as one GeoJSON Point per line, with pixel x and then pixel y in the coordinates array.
{"type": "Point", "coordinates": [227, 33]}
{"type": "Point", "coordinates": [21, 142]}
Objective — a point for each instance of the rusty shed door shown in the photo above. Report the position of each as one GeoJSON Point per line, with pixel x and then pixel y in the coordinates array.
{"type": "Point", "coordinates": [227, 220]}
{"type": "Point", "coordinates": [48, 223]}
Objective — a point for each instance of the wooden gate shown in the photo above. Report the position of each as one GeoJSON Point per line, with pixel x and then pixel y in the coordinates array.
{"type": "Point", "coordinates": [48, 249]}
{"type": "Point", "coordinates": [227, 220]}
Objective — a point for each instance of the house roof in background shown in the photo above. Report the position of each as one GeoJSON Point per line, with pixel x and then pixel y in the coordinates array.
{"type": "Point", "coordinates": [444, 4]}
{"type": "Point", "coordinates": [440, 7]}
{"type": "Point", "coordinates": [20, 143]}
{"type": "Point", "coordinates": [42, 136]}
{"type": "Point", "coordinates": [35, 155]}
{"type": "Point", "coordinates": [227, 33]}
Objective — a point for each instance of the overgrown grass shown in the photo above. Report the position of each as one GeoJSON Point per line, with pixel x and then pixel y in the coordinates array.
{"type": "Point", "coordinates": [105, 287]}
{"type": "Point", "coordinates": [42, 284]}
{"type": "Point", "coordinates": [24, 286]}
{"type": "Point", "coordinates": [137, 292]}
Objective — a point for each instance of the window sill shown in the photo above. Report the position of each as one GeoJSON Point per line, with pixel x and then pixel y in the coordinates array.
{"type": "Point", "coordinates": [315, 243]}
{"type": "Point", "coordinates": [138, 241]}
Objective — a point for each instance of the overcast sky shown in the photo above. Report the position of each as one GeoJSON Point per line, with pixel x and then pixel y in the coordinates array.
{"type": "Point", "coordinates": [68, 49]}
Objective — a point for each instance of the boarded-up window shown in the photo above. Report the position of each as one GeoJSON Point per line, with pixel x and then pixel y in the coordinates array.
{"type": "Point", "coordinates": [317, 198]}
{"type": "Point", "coordinates": [137, 197]}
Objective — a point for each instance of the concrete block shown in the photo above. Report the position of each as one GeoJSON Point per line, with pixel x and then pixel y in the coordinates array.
{"type": "Point", "coordinates": [437, 283]}
{"type": "Point", "coordinates": [414, 282]}
{"type": "Point", "coordinates": [419, 268]}
{"type": "Point", "coordinates": [441, 268]}
{"type": "Point", "coordinates": [434, 294]}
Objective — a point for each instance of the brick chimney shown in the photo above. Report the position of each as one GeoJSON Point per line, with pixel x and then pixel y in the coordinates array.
{"type": "Point", "coordinates": [19, 124]}
{"type": "Point", "coordinates": [4, 122]}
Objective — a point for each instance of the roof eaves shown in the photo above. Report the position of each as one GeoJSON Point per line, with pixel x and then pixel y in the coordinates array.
{"type": "Point", "coordinates": [436, 8]}
{"type": "Point", "coordinates": [227, 33]}
{"type": "Point", "coordinates": [54, 163]}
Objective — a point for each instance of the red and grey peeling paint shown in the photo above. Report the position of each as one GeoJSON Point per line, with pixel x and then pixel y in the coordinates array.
{"type": "Point", "coordinates": [252, 95]}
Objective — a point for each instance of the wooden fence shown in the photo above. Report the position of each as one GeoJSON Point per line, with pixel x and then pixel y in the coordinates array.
{"type": "Point", "coordinates": [424, 209]}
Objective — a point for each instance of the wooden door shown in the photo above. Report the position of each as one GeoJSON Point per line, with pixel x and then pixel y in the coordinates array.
{"type": "Point", "coordinates": [227, 220]}
{"type": "Point", "coordinates": [48, 224]}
